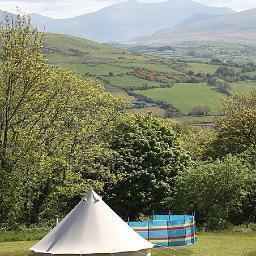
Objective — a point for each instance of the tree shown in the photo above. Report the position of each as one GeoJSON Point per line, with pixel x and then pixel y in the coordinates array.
{"type": "Point", "coordinates": [227, 74]}
{"type": "Point", "coordinates": [217, 192]}
{"type": "Point", "coordinates": [222, 86]}
{"type": "Point", "coordinates": [216, 61]}
{"type": "Point", "coordinates": [148, 157]}
{"type": "Point", "coordinates": [51, 128]}
{"type": "Point", "coordinates": [196, 140]}
{"type": "Point", "coordinates": [236, 128]}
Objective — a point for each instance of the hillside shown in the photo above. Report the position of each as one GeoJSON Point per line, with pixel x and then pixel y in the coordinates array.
{"type": "Point", "coordinates": [151, 83]}
{"type": "Point", "coordinates": [237, 27]}
{"type": "Point", "coordinates": [127, 20]}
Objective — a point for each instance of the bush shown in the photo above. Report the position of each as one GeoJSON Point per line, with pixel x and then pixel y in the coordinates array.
{"type": "Point", "coordinates": [245, 228]}
{"type": "Point", "coordinates": [216, 191]}
{"type": "Point", "coordinates": [200, 111]}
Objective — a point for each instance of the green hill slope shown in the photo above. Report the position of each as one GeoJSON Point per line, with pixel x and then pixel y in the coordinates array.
{"type": "Point", "coordinates": [130, 75]}
{"type": "Point", "coordinates": [112, 66]}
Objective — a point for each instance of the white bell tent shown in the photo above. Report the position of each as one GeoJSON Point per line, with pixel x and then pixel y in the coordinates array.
{"type": "Point", "coordinates": [92, 227]}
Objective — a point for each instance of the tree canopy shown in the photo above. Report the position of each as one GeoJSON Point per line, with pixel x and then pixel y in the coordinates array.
{"type": "Point", "coordinates": [236, 128]}
{"type": "Point", "coordinates": [148, 156]}
{"type": "Point", "coordinates": [51, 125]}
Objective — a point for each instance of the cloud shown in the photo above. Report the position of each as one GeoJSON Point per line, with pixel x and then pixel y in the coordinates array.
{"type": "Point", "coordinates": [71, 8]}
{"type": "Point", "coordinates": [55, 8]}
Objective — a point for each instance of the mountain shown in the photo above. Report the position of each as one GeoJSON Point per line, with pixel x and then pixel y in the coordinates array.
{"type": "Point", "coordinates": [236, 27]}
{"type": "Point", "coordinates": [197, 18]}
{"type": "Point", "coordinates": [127, 20]}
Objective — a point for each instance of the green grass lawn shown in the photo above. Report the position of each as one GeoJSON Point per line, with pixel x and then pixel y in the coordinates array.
{"type": "Point", "coordinates": [243, 86]}
{"type": "Point", "coordinates": [210, 244]}
{"type": "Point", "coordinates": [216, 244]}
{"type": "Point", "coordinates": [185, 96]}
{"type": "Point", "coordinates": [15, 248]}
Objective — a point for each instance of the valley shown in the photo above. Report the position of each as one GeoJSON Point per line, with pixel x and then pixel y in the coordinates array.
{"type": "Point", "coordinates": [171, 82]}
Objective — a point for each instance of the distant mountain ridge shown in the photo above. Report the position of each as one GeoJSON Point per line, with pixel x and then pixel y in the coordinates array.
{"type": "Point", "coordinates": [237, 27]}
{"type": "Point", "coordinates": [127, 20]}
{"type": "Point", "coordinates": [197, 18]}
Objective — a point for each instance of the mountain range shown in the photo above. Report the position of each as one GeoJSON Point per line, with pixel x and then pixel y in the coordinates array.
{"type": "Point", "coordinates": [129, 20]}
{"type": "Point", "coordinates": [237, 27]}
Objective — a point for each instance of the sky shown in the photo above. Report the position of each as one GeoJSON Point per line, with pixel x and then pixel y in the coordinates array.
{"type": "Point", "coordinates": [71, 8]}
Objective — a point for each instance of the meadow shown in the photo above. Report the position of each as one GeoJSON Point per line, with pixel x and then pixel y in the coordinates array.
{"type": "Point", "coordinates": [208, 244]}
{"type": "Point", "coordinates": [185, 96]}
{"type": "Point", "coordinates": [201, 67]}
{"type": "Point", "coordinates": [243, 86]}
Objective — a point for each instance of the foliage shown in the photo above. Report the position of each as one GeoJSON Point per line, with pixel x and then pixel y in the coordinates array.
{"type": "Point", "coordinates": [237, 127]}
{"type": "Point", "coordinates": [51, 125]}
{"type": "Point", "coordinates": [196, 140]}
{"type": "Point", "coordinates": [227, 74]}
{"type": "Point", "coordinates": [223, 86]}
{"type": "Point", "coordinates": [149, 157]}
{"type": "Point", "coordinates": [200, 111]}
{"type": "Point", "coordinates": [216, 191]}
{"type": "Point", "coordinates": [61, 135]}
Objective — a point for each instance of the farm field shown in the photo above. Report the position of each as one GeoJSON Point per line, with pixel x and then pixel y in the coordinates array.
{"type": "Point", "coordinates": [205, 51]}
{"type": "Point", "coordinates": [208, 244]}
{"type": "Point", "coordinates": [185, 96]}
{"type": "Point", "coordinates": [205, 68]}
{"type": "Point", "coordinates": [243, 86]}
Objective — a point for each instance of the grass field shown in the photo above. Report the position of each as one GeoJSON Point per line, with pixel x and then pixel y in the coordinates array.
{"type": "Point", "coordinates": [251, 74]}
{"type": "Point", "coordinates": [205, 68]}
{"type": "Point", "coordinates": [243, 86]}
{"type": "Point", "coordinates": [84, 56]}
{"type": "Point", "coordinates": [185, 96]}
{"type": "Point", "coordinates": [210, 244]}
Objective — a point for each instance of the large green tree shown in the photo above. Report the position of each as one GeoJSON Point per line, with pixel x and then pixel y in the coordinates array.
{"type": "Point", "coordinates": [236, 128]}
{"type": "Point", "coordinates": [219, 192]}
{"type": "Point", "coordinates": [51, 128]}
{"type": "Point", "coordinates": [148, 157]}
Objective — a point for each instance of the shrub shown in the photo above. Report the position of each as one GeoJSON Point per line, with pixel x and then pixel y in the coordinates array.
{"type": "Point", "coordinates": [200, 111]}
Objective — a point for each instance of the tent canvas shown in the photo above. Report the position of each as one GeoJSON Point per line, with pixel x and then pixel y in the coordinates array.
{"type": "Point", "coordinates": [92, 227]}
